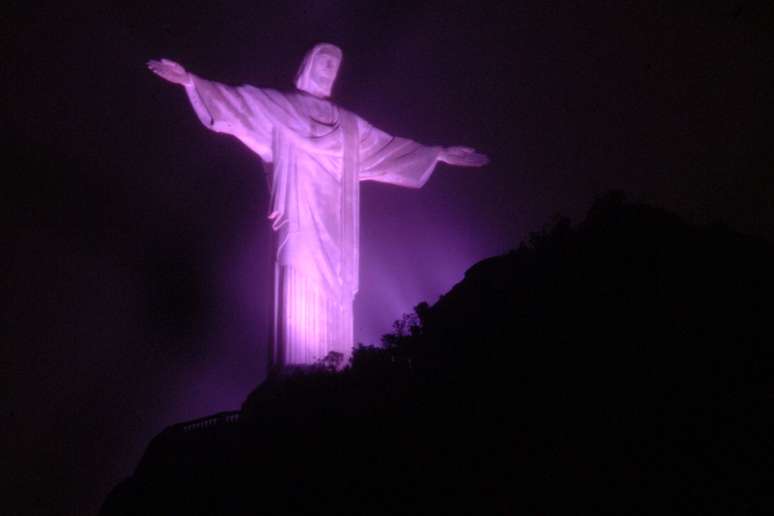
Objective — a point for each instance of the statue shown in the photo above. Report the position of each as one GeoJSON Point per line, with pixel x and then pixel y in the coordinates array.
{"type": "Point", "coordinates": [315, 154]}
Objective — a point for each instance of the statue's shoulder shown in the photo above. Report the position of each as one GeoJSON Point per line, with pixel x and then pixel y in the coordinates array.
{"type": "Point", "coordinates": [268, 92]}
{"type": "Point", "coordinates": [272, 100]}
{"type": "Point", "coordinates": [345, 111]}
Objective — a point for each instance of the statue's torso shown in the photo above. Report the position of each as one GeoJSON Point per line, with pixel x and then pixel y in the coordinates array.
{"type": "Point", "coordinates": [311, 240]}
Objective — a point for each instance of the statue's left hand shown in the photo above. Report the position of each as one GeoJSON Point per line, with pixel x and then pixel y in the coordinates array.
{"type": "Point", "coordinates": [463, 157]}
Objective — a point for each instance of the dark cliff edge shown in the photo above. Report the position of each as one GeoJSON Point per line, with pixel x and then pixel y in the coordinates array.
{"type": "Point", "coordinates": [620, 365]}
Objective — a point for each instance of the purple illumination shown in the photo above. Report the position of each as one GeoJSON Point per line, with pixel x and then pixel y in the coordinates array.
{"type": "Point", "coordinates": [315, 155]}
{"type": "Point", "coordinates": [138, 263]}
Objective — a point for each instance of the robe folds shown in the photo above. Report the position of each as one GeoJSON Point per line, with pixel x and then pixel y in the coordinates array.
{"type": "Point", "coordinates": [315, 154]}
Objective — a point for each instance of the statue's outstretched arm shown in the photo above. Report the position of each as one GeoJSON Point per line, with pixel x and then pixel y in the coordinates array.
{"type": "Point", "coordinates": [463, 157]}
{"type": "Point", "coordinates": [237, 111]}
{"type": "Point", "coordinates": [171, 71]}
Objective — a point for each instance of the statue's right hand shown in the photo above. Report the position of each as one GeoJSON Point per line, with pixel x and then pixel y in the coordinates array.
{"type": "Point", "coordinates": [170, 70]}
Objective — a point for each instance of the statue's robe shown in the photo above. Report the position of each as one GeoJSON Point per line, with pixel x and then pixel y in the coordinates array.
{"type": "Point", "coordinates": [315, 154]}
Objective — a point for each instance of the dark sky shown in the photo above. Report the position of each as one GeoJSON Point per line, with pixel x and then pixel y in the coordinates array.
{"type": "Point", "coordinates": [135, 280]}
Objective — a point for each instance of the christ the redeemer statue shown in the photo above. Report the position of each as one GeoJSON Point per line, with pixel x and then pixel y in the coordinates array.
{"type": "Point", "coordinates": [315, 154]}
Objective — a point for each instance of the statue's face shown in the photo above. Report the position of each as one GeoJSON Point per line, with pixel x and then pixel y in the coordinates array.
{"type": "Point", "coordinates": [318, 70]}
{"type": "Point", "coordinates": [325, 67]}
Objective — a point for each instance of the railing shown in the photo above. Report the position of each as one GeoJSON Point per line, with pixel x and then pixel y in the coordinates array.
{"type": "Point", "coordinates": [222, 418]}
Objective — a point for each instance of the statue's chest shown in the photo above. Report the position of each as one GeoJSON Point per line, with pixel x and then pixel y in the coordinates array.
{"type": "Point", "coordinates": [322, 117]}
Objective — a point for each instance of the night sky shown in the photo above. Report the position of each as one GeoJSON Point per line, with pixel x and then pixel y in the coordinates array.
{"type": "Point", "coordinates": [135, 283]}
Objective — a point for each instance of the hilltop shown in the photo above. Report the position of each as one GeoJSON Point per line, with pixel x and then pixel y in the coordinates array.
{"type": "Point", "coordinates": [622, 364]}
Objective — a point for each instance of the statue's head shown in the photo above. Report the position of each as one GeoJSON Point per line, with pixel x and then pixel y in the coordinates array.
{"type": "Point", "coordinates": [318, 70]}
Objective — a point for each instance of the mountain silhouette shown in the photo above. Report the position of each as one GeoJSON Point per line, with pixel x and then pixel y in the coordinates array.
{"type": "Point", "coordinates": [621, 365]}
